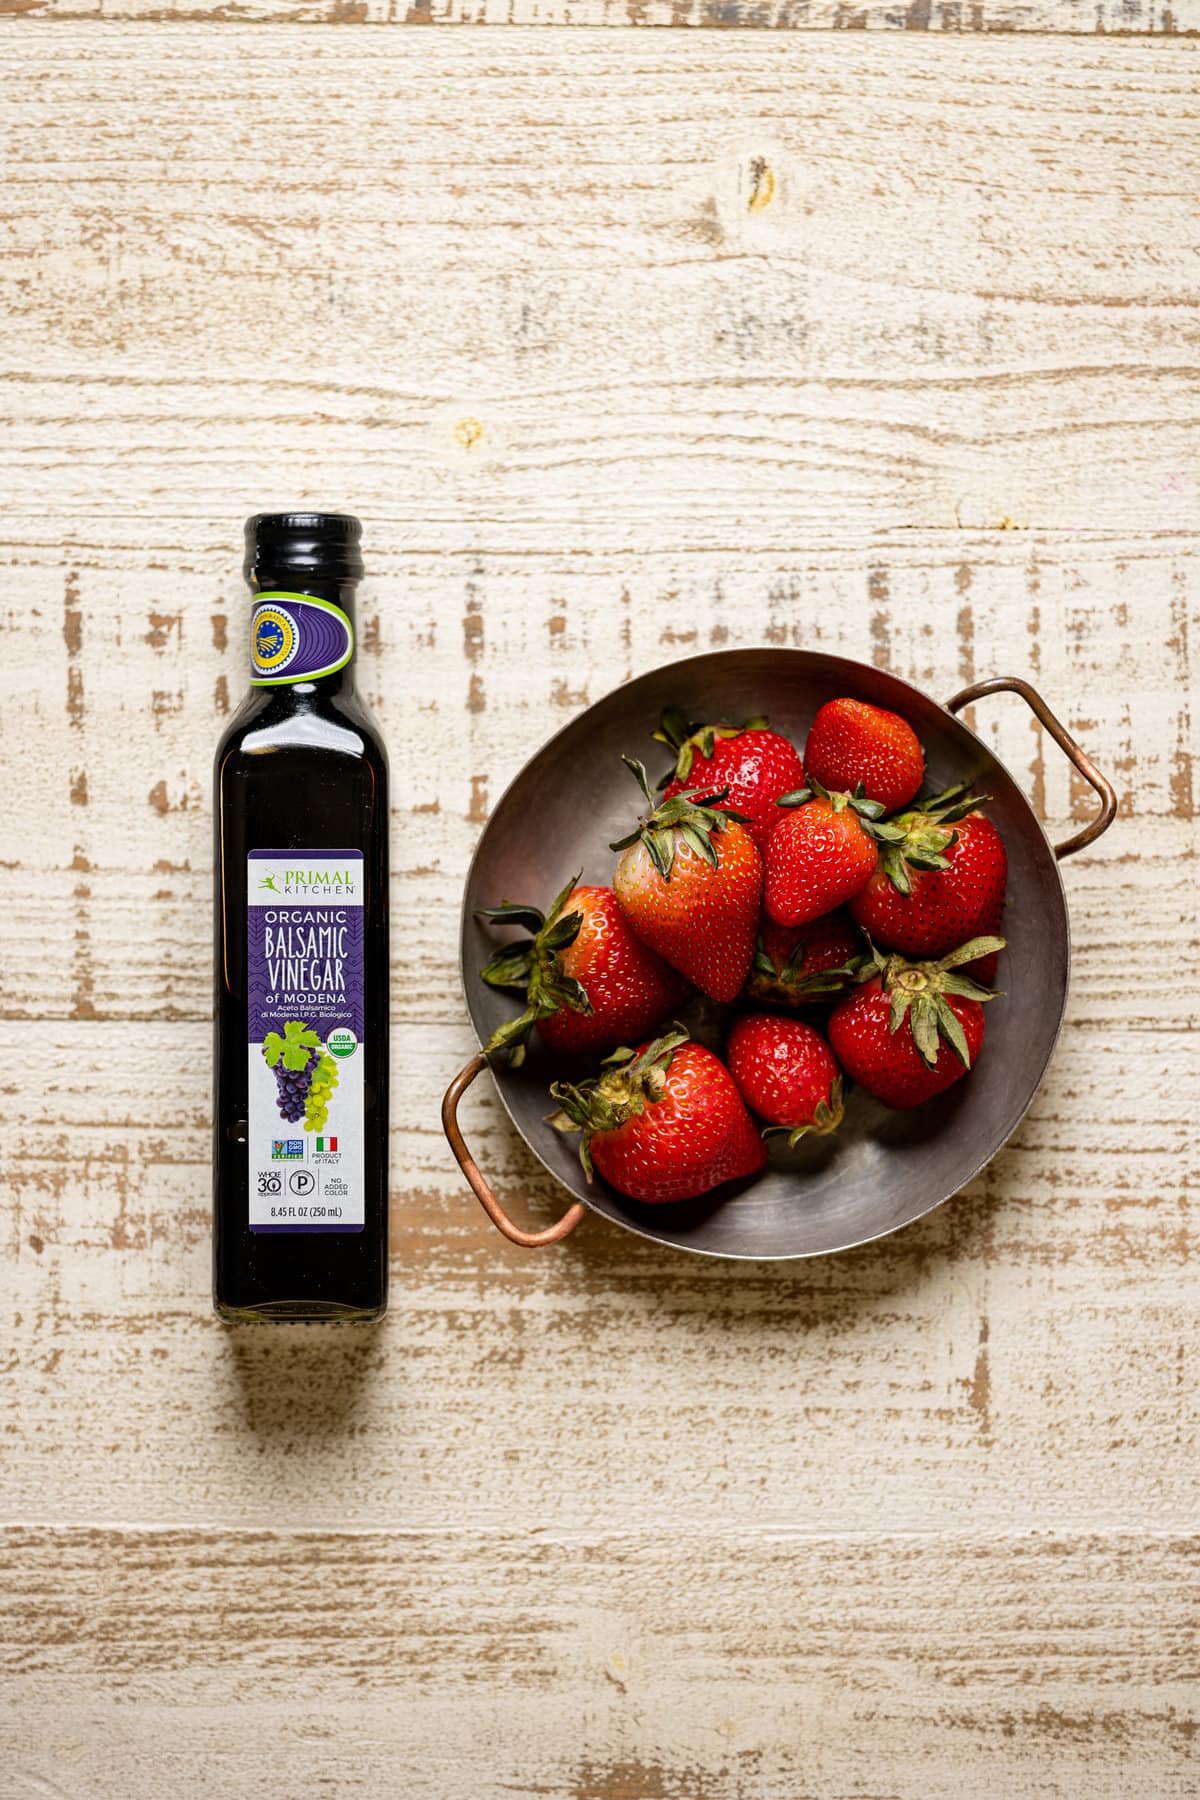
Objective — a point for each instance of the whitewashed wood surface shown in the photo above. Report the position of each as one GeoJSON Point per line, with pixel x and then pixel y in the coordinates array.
{"type": "Point", "coordinates": [1107, 18]}
{"type": "Point", "coordinates": [625, 344]}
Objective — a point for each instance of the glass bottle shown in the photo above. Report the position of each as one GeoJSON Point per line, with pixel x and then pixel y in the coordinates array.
{"type": "Point", "coordinates": [300, 1117]}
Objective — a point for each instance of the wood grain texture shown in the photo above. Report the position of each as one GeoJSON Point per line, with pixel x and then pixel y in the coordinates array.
{"type": "Point", "coordinates": [648, 292]}
{"type": "Point", "coordinates": [626, 346]}
{"type": "Point", "coordinates": [976, 1354]}
{"type": "Point", "coordinates": [848, 1667]}
{"type": "Point", "coordinates": [1107, 18]}
{"type": "Point", "coordinates": [472, 661]}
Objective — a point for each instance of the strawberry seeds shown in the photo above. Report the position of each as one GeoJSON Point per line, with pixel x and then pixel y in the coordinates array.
{"type": "Point", "coordinates": [778, 884]}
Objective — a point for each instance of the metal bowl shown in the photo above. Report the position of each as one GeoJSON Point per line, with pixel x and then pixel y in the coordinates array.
{"type": "Point", "coordinates": [883, 1169]}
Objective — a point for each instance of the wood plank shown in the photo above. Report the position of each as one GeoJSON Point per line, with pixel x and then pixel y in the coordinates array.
{"type": "Point", "coordinates": [1017, 1359]}
{"type": "Point", "coordinates": [449, 1665]}
{"type": "Point", "coordinates": [1107, 18]}
{"type": "Point", "coordinates": [625, 348]}
{"type": "Point", "coordinates": [124, 651]}
{"type": "Point", "coordinates": [645, 292]}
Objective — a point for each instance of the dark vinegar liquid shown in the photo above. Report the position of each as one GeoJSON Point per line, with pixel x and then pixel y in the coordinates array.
{"type": "Point", "coordinates": [300, 768]}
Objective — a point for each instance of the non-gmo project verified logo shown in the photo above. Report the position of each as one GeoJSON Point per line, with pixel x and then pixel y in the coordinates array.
{"type": "Point", "coordinates": [287, 1150]}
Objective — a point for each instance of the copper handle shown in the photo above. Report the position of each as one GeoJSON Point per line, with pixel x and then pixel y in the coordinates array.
{"type": "Point", "coordinates": [528, 1240]}
{"type": "Point", "coordinates": [1012, 684]}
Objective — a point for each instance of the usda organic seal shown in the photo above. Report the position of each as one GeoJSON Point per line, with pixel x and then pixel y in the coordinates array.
{"type": "Point", "coordinates": [341, 1042]}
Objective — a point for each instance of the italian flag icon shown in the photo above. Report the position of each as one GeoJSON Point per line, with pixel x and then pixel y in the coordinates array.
{"type": "Point", "coordinates": [326, 1144]}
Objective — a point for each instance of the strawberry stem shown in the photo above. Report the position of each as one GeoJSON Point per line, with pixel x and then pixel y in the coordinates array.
{"type": "Point", "coordinates": [685, 737]}
{"type": "Point", "coordinates": [532, 967]}
{"type": "Point", "coordinates": [920, 837]}
{"type": "Point", "coordinates": [867, 810]}
{"type": "Point", "coordinates": [918, 994]}
{"type": "Point", "coordinates": [693, 816]}
{"type": "Point", "coordinates": [626, 1085]}
{"type": "Point", "coordinates": [792, 983]}
{"type": "Point", "coordinates": [827, 1116]}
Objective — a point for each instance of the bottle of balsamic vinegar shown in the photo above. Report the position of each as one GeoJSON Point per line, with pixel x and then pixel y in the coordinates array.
{"type": "Point", "coordinates": [301, 930]}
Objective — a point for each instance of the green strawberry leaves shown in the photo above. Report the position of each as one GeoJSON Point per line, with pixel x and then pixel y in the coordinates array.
{"type": "Point", "coordinates": [685, 737]}
{"type": "Point", "coordinates": [295, 1046]}
{"type": "Point", "coordinates": [527, 917]}
{"type": "Point", "coordinates": [674, 729]}
{"type": "Point", "coordinates": [638, 771]}
{"type": "Point", "coordinates": [694, 816]}
{"type": "Point", "coordinates": [697, 841]}
{"type": "Point", "coordinates": [952, 804]}
{"type": "Point", "coordinates": [919, 837]}
{"type": "Point", "coordinates": [532, 967]}
{"type": "Point", "coordinates": [868, 810]}
{"type": "Point", "coordinates": [827, 1116]}
{"type": "Point", "coordinates": [918, 993]}
{"type": "Point", "coordinates": [763, 964]}
{"type": "Point", "coordinates": [797, 986]}
{"type": "Point", "coordinates": [626, 1085]}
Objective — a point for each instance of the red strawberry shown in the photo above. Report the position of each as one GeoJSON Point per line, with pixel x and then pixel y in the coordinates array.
{"type": "Point", "coordinates": [589, 981]}
{"type": "Point", "coordinates": [937, 886]}
{"type": "Point", "coordinates": [914, 1028]}
{"type": "Point", "coordinates": [754, 765]}
{"type": "Point", "coordinates": [801, 965]}
{"type": "Point", "coordinates": [819, 854]}
{"type": "Point", "coordinates": [786, 1073]}
{"type": "Point", "coordinates": [690, 883]}
{"type": "Point", "coordinates": [662, 1123]}
{"type": "Point", "coordinates": [851, 742]}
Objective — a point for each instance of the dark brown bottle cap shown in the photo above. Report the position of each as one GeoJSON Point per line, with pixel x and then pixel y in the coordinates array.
{"type": "Point", "coordinates": [287, 548]}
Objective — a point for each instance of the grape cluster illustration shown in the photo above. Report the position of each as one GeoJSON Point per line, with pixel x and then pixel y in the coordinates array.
{"type": "Point", "coordinates": [324, 1080]}
{"type": "Point", "coordinates": [305, 1074]}
{"type": "Point", "coordinates": [293, 1092]}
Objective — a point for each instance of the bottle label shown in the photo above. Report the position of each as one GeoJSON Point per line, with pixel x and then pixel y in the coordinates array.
{"type": "Point", "coordinates": [294, 637]}
{"type": "Point", "coordinates": [304, 970]}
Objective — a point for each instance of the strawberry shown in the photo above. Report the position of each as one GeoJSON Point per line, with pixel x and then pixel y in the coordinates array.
{"type": "Point", "coordinates": [665, 1122]}
{"type": "Point", "coordinates": [820, 854]}
{"type": "Point", "coordinates": [589, 982]}
{"type": "Point", "coordinates": [787, 1074]}
{"type": "Point", "coordinates": [852, 743]}
{"type": "Point", "coordinates": [689, 883]}
{"type": "Point", "coordinates": [753, 764]}
{"type": "Point", "coordinates": [913, 1029]}
{"type": "Point", "coordinates": [799, 965]}
{"type": "Point", "coordinates": [940, 880]}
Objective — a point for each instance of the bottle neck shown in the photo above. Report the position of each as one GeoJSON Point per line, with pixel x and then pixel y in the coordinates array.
{"type": "Point", "coordinates": [303, 635]}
